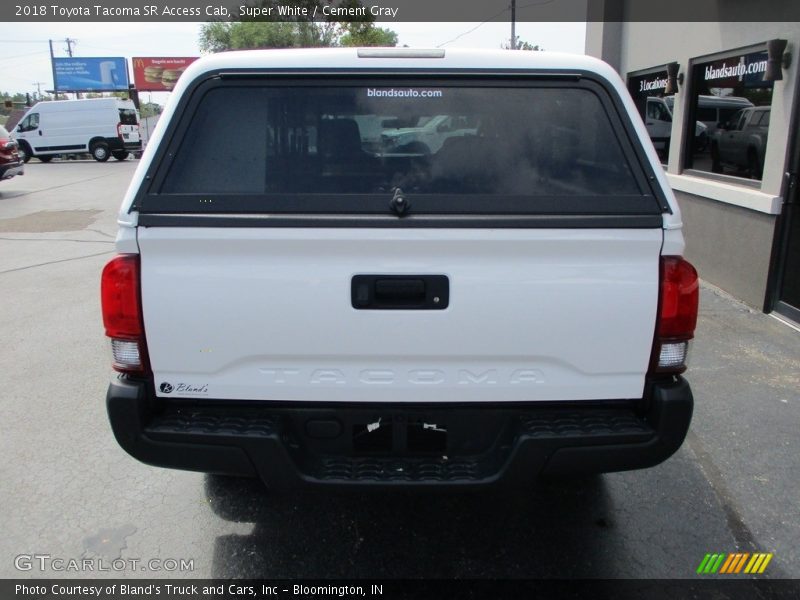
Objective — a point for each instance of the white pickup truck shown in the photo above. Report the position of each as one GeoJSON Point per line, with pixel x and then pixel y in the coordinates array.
{"type": "Point", "coordinates": [289, 305]}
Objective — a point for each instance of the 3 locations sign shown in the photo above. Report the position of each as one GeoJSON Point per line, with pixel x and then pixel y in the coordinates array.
{"type": "Point", "coordinates": [159, 74]}
{"type": "Point", "coordinates": [103, 74]}
{"type": "Point", "coordinates": [654, 83]}
{"type": "Point", "coordinates": [647, 85]}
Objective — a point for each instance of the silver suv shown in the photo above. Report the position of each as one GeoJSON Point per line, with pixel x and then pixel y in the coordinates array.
{"type": "Point", "coordinates": [741, 142]}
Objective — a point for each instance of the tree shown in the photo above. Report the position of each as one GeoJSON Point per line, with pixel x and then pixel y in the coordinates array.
{"type": "Point", "coordinates": [361, 31]}
{"type": "Point", "coordinates": [521, 45]}
{"type": "Point", "coordinates": [361, 34]}
{"type": "Point", "coordinates": [215, 37]}
{"type": "Point", "coordinates": [18, 100]}
{"type": "Point", "coordinates": [294, 31]}
{"type": "Point", "coordinates": [17, 97]}
{"type": "Point", "coordinates": [146, 109]}
{"type": "Point", "coordinates": [246, 35]}
{"type": "Point", "coordinates": [149, 109]}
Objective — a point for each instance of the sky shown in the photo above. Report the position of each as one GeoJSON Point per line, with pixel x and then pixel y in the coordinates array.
{"type": "Point", "coordinates": [25, 54]}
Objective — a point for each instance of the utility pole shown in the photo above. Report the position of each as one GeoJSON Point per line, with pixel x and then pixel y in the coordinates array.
{"type": "Point", "coordinates": [53, 65]}
{"type": "Point", "coordinates": [38, 85]}
{"type": "Point", "coordinates": [513, 25]}
{"type": "Point", "coordinates": [69, 42]}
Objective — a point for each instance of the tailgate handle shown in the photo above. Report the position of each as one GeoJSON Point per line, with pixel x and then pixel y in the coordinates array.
{"type": "Point", "coordinates": [400, 292]}
{"type": "Point", "coordinates": [400, 289]}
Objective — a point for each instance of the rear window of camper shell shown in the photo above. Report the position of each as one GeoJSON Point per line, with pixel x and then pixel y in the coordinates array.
{"type": "Point", "coordinates": [493, 146]}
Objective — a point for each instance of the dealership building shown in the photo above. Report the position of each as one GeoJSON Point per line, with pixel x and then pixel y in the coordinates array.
{"type": "Point", "coordinates": [720, 101]}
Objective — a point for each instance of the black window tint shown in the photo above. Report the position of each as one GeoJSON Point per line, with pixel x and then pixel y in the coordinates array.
{"type": "Point", "coordinates": [706, 114]}
{"type": "Point", "coordinates": [728, 114]}
{"type": "Point", "coordinates": [726, 83]}
{"type": "Point", "coordinates": [657, 111]}
{"type": "Point", "coordinates": [225, 148]}
{"type": "Point", "coordinates": [127, 116]}
{"type": "Point", "coordinates": [30, 122]}
{"type": "Point", "coordinates": [742, 120]}
{"type": "Point", "coordinates": [363, 140]}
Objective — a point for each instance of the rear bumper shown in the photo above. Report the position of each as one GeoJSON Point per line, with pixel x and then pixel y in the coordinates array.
{"type": "Point", "coordinates": [288, 445]}
{"type": "Point", "coordinates": [9, 170]}
{"type": "Point", "coordinates": [119, 144]}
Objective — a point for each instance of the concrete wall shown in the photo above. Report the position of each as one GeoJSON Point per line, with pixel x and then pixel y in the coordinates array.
{"type": "Point", "coordinates": [729, 245]}
{"type": "Point", "coordinates": [604, 40]}
{"type": "Point", "coordinates": [729, 232]}
{"type": "Point", "coordinates": [645, 45]}
{"type": "Point", "coordinates": [635, 46]}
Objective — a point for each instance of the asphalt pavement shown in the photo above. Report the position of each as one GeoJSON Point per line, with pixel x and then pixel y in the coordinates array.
{"type": "Point", "coordinates": [69, 491]}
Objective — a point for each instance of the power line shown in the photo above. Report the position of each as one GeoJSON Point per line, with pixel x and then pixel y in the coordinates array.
{"type": "Point", "coordinates": [460, 35]}
{"type": "Point", "coordinates": [492, 18]}
{"type": "Point", "coordinates": [15, 77]}
{"type": "Point", "coordinates": [38, 61]}
{"type": "Point", "coordinates": [21, 55]}
{"type": "Point", "coordinates": [103, 48]}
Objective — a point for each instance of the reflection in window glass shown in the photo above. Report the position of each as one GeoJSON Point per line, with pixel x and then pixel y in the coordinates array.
{"type": "Point", "coordinates": [706, 113]}
{"type": "Point", "coordinates": [365, 140]}
{"type": "Point", "coordinates": [732, 101]}
{"type": "Point", "coordinates": [658, 111]}
{"type": "Point", "coordinates": [647, 91]}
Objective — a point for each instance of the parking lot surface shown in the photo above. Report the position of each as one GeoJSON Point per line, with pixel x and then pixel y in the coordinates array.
{"type": "Point", "coordinates": [69, 491]}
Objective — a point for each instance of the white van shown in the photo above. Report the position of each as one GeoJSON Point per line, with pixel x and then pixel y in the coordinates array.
{"type": "Point", "coordinates": [713, 110]}
{"type": "Point", "coordinates": [101, 126]}
{"type": "Point", "coordinates": [658, 121]}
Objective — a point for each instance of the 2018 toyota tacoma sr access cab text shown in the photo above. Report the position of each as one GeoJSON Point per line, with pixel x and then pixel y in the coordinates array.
{"type": "Point", "coordinates": [294, 302]}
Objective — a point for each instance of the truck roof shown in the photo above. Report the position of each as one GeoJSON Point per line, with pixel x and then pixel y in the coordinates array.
{"type": "Point", "coordinates": [397, 58]}
{"type": "Point", "coordinates": [706, 100]}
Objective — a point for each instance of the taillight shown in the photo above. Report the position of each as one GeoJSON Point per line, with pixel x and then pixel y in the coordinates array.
{"type": "Point", "coordinates": [122, 313]}
{"type": "Point", "coordinates": [679, 297]}
{"type": "Point", "coordinates": [119, 130]}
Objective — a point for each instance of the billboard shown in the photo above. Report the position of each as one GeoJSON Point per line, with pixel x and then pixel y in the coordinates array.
{"type": "Point", "coordinates": [96, 74]}
{"type": "Point", "coordinates": [159, 73]}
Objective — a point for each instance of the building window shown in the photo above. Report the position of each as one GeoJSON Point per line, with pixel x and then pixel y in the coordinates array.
{"type": "Point", "coordinates": [730, 109]}
{"type": "Point", "coordinates": [647, 90]}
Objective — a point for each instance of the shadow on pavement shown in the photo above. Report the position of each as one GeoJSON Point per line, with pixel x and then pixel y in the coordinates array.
{"type": "Point", "coordinates": [558, 530]}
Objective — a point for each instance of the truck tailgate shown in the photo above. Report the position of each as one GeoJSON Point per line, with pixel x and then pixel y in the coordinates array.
{"type": "Point", "coordinates": [266, 314]}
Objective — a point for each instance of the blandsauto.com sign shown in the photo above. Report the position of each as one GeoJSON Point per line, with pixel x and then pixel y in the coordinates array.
{"type": "Point", "coordinates": [736, 67]}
